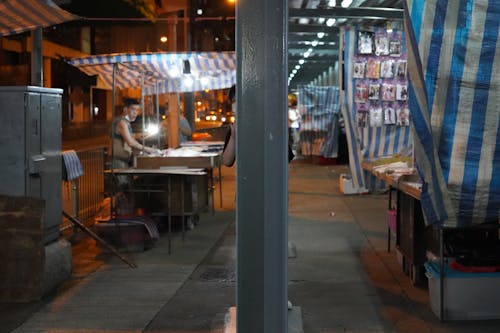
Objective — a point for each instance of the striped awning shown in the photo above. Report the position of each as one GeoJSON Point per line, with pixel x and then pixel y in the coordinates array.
{"type": "Point", "coordinates": [17, 16]}
{"type": "Point", "coordinates": [159, 72]}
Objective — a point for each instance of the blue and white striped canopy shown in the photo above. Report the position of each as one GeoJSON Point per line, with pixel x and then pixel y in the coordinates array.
{"type": "Point", "coordinates": [17, 16]}
{"type": "Point", "coordinates": [165, 71]}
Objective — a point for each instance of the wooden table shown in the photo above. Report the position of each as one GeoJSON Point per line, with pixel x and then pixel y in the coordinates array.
{"type": "Point", "coordinates": [411, 231]}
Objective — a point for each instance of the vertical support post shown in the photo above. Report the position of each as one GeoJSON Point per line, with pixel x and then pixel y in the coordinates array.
{"type": "Point", "coordinates": [262, 168]}
{"type": "Point", "coordinates": [442, 263]}
{"type": "Point", "coordinates": [91, 104]}
{"type": "Point", "coordinates": [113, 164]}
{"type": "Point", "coordinates": [189, 109]}
{"type": "Point", "coordinates": [143, 107]}
{"type": "Point", "coordinates": [157, 96]}
{"type": "Point", "coordinates": [36, 57]}
{"type": "Point", "coordinates": [76, 208]}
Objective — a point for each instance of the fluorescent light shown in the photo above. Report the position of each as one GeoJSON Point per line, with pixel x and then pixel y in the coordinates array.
{"type": "Point", "coordinates": [330, 22]}
{"type": "Point", "coordinates": [320, 35]}
{"type": "Point", "coordinates": [321, 20]}
{"type": "Point", "coordinates": [314, 43]}
{"type": "Point", "coordinates": [301, 61]}
{"type": "Point", "coordinates": [307, 54]}
{"type": "Point", "coordinates": [297, 67]}
{"type": "Point", "coordinates": [346, 3]}
{"type": "Point", "coordinates": [332, 3]}
{"type": "Point", "coordinates": [303, 21]}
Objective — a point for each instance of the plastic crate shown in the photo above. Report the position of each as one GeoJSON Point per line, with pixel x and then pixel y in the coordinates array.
{"type": "Point", "coordinates": [467, 296]}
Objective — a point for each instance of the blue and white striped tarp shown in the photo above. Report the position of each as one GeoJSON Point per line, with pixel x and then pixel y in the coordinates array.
{"type": "Point", "coordinates": [208, 70]}
{"type": "Point", "coordinates": [319, 109]}
{"type": "Point", "coordinates": [455, 96]}
{"type": "Point", "coordinates": [368, 142]}
{"type": "Point", "coordinates": [17, 16]}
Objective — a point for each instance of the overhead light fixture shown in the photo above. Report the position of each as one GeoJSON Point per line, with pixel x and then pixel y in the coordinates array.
{"type": "Point", "coordinates": [186, 69]}
{"type": "Point", "coordinates": [302, 61]}
{"type": "Point", "coordinates": [297, 67]}
{"type": "Point", "coordinates": [174, 72]}
{"type": "Point", "coordinates": [332, 3]}
{"type": "Point", "coordinates": [294, 71]}
{"type": "Point", "coordinates": [204, 81]}
{"type": "Point", "coordinates": [321, 20]}
{"type": "Point", "coordinates": [163, 39]}
{"type": "Point", "coordinates": [303, 20]}
{"type": "Point", "coordinates": [188, 81]}
{"type": "Point", "coordinates": [314, 43]}
{"type": "Point", "coordinates": [307, 54]}
{"type": "Point", "coordinates": [320, 35]}
{"type": "Point", "coordinates": [199, 11]}
{"type": "Point", "coordinates": [346, 3]}
{"type": "Point", "coordinates": [389, 26]}
{"type": "Point", "coordinates": [330, 22]}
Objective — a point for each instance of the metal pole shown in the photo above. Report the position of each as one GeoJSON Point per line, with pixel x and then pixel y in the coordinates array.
{"type": "Point", "coordinates": [36, 57]}
{"type": "Point", "coordinates": [143, 112]}
{"type": "Point", "coordinates": [157, 87]}
{"type": "Point", "coordinates": [262, 168]}
{"type": "Point", "coordinates": [113, 108]}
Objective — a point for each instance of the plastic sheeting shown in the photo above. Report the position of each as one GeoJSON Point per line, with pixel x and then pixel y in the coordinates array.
{"type": "Point", "coordinates": [319, 109]}
{"type": "Point", "coordinates": [455, 95]}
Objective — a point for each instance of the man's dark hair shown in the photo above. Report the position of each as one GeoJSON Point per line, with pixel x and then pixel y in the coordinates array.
{"type": "Point", "coordinates": [128, 101]}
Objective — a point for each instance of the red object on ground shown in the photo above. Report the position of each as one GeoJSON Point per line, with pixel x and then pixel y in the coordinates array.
{"type": "Point", "coordinates": [474, 269]}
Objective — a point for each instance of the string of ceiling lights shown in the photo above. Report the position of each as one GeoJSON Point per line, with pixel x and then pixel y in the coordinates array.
{"type": "Point", "coordinates": [330, 22]}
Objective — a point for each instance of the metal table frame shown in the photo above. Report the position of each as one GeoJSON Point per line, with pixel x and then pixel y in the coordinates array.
{"type": "Point", "coordinates": [169, 173]}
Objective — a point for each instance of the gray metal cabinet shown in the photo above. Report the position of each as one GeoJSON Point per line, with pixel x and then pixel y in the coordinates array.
{"type": "Point", "coordinates": [30, 149]}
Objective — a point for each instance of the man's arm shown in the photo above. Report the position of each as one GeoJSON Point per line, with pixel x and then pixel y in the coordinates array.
{"type": "Point", "coordinates": [122, 129]}
{"type": "Point", "coordinates": [229, 153]}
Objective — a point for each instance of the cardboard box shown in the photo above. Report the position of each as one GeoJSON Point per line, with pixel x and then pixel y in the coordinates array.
{"type": "Point", "coordinates": [467, 296]}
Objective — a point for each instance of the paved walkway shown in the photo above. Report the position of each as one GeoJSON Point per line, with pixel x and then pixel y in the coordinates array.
{"type": "Point", "coordinates": [343, 279]}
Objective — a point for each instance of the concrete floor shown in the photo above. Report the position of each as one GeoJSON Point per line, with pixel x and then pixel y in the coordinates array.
{"type": "Point", "coordinates": [343, 279]}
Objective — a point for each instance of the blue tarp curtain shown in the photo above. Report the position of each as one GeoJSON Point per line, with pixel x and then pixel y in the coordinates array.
{"type": "Point", "coordinates": [454, 97]}
{"type": "Point", "coordinates": [319, 109]}
{"type": "Point", "coordinates": [18, 16]}
{"type": "Point", "coordinates": [207, 70]}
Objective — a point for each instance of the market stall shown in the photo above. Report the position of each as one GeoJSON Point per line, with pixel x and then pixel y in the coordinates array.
{"type": "Point", "coordinates": [167, 73]}
{"type": "Point", "coordinates": [452, 98]}
{"type": "Point", "coordinates": [319, 110]}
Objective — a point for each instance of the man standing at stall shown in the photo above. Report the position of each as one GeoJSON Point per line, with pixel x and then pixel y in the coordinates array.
{"type": "Point", "coordinates": [122, 137]}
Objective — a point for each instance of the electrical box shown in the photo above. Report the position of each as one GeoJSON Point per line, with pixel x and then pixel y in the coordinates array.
{"type": "Point", "coordinates": [30, 149]}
